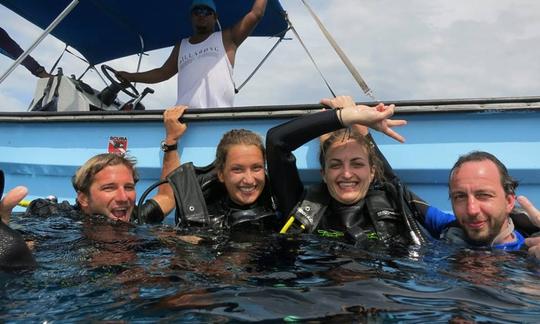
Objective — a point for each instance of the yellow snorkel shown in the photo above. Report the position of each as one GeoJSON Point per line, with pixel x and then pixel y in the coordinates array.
{"type": "Point", "coordinates": [288, 225]}
{"type": "Point", "coordinates": [24, 203]}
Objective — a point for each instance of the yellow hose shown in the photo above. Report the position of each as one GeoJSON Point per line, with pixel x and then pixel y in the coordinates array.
{"type": "Point", "coordinates": [24, 203]}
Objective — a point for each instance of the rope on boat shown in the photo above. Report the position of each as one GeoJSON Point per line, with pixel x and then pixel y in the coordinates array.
{"type": "Point", "coordinates": [354, 72]}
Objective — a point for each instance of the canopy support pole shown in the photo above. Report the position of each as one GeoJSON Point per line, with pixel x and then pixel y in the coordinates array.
{"type": "Point", "coordinates": [46, 32]}
{"type": "Point", "coordinates": [260, 63]}
{"type": "Point", "coordinates": [140, 56]}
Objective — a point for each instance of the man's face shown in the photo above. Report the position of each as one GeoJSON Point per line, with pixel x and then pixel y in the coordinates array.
{"type": "Point", "coordinates": [112, 193]}
{"type": "Point", "coordinates": [478, 199]}
{"type": "Point", "coordinates": [243, 174]}
{"type": "Point", "coordinates": [347, 171]}
{"type": "Point", "coordinates": [203, 20]}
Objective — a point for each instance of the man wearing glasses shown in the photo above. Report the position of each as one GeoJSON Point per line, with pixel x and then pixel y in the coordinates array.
{"type": "Point", "coordinates": [204, 62]}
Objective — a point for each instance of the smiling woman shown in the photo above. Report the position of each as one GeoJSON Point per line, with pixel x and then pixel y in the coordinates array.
{"type": "Point", "coordinates": [240, 165]}
{"type": "Point", "coordinates": [356, 199]}
{"type": "Point", "coordinates": [230, 192]}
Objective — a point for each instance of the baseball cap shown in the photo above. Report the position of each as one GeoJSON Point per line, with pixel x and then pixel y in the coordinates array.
{"type": "Point", "coordinates": [203, 3]}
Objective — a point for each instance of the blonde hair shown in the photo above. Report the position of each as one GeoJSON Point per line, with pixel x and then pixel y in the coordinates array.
{"type": "Point", "coordinates": [84, 176]}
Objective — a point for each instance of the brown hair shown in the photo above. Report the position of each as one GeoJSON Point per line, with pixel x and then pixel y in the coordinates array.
{"type": "Point", "coordinates": [346, 134]}
{"type": "Point", "coordinates": [84, 176]}
{"type": "Point", "coordinates": [508, 183]}
{"type": "Point", "coordinates": [236, 137]}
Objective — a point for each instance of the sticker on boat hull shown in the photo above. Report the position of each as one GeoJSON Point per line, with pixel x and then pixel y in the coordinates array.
{"type": "Point", "coordinates": [118, 145]}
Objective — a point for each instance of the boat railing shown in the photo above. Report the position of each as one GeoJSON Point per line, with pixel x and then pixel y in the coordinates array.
{"type": "Point", "coordinates": [279, 112]}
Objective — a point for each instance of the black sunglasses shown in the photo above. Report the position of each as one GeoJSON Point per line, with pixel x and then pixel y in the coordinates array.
{"type": "Point", "coordinates": [202, 11]}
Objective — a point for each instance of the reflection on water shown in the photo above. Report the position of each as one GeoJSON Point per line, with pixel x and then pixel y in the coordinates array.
{"type": "Point", "coordinates": [94, 270]}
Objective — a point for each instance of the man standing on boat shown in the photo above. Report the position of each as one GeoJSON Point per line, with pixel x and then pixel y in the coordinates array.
{"type": "Point", "coordinates": [204, 62]}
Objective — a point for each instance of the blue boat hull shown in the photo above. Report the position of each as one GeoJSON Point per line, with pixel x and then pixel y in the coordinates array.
{"type": "Point", "coordinates": [43, 150]}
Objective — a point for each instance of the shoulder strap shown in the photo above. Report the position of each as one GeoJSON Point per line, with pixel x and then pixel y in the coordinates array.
{"type": "Point", "coordinates": [397, 194]}
{"type": "Point", "coordinates": [309, 211]}
{"type": "Point", "coordinates": [382, 213]}
{"type": "Point", "coordinates": [189, 198]}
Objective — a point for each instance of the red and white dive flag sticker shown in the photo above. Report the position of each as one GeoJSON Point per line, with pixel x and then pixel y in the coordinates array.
{"type": "Point", "coordinates": [118, 145]}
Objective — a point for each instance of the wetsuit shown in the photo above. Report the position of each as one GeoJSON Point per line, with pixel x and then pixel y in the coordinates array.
{"type": "Point", "coordinates": [356, 219]}
{"type": "Point", "coordinates": [150, 210]}
{"type": "Point", "coordinates": [445, 228]}
{"type": "Point", "coordinates": [456, 236]}
{"type": "Point", "coordinates": [202, 200]}
{"type": "Point", "coordinates": [14, 254]}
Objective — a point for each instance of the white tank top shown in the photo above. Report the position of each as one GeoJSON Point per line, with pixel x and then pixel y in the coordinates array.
{"type": "Point", "coordinates": [205, 74]}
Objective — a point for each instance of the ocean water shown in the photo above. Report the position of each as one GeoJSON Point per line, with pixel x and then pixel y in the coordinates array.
{"type": "Point", "coordinates": [93, 270]}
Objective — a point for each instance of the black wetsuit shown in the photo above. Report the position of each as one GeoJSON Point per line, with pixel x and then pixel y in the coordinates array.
{"type": "Point", "coordinates": [150, 211]}
{"type": "Point", "coordinates": [222, 212]}
{"type": "Point", "coordinates": [289, 190]}
{"type": "Point", "coordinates": [14, 254]}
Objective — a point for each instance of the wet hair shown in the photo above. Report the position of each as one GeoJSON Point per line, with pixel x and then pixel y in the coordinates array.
{"type": "Point", "coordinates": [508, 183]}
{"type": "Point", "coordinates": [84, 176]}
{"type": "Point", "coordinates": [236, 137]}
{"type": "Point", "coordinates": [346, 134]}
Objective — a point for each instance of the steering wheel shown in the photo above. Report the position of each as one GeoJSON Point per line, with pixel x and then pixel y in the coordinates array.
{"type": "Point", "coordinates": [124, 85]}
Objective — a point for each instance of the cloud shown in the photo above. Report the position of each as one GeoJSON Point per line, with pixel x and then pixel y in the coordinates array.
{"type": "Point", "coordinates": [404, 50]}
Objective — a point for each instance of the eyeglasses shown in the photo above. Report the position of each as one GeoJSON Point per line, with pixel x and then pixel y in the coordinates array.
{"type": "Point", "coordinates": [202, 11]}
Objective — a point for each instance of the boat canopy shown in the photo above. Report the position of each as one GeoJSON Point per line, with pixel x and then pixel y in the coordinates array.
{"type": "Point", "coordinates": [103, 30]}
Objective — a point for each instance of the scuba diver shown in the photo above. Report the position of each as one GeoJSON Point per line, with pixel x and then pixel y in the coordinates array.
{"type": "Point", "coordinates": [14, 253]}
{"type": "Point", "coordinates": [483, 199]}
{"type": "Point", "coordinates": [230, 193]}
{"type": "Point", "coordinates": [105, 186]}
{"type": "Point", "coordinates": [359, 199]}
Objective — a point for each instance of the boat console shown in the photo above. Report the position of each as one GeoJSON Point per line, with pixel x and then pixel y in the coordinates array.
{"type": "Point", "coordinates": [62, 93]}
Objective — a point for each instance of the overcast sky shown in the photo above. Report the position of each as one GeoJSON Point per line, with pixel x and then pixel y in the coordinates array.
{"type": "Point", "coordinates": [416, 49]}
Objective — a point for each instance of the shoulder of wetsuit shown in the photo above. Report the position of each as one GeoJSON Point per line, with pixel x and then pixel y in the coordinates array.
{"type": "Point", "coordinates": [523, 223]}
{"type": "Point", "coordinates": [211, 187]}
{"type": "Point", "coordinates": [1, 183]}
{"type": "Point", "coordinates": [150, 212]}
{"type": "Point", "coordinates": [207, 169]}
{"type": "Point", "coordinates": [45, 207]}
{"type": "Point", "coordinates": [14, 254]}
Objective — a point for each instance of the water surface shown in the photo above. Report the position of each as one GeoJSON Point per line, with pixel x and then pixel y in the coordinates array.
{"type": "Point", "coordinates": [95, 270]}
